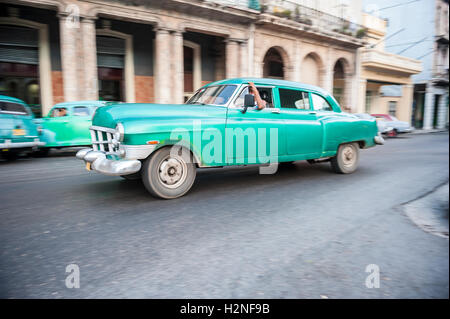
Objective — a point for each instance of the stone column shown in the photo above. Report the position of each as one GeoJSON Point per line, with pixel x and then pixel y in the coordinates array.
{"type": "Point", "coordinates": [404, 112]}
{"type": "Point", "coordinates": [243, 54]}
{"type": "Point", "coordinates": [177, 67]}
{"type": "Point", "coordinates": [356, 80]}
{"type": "Point", "coordinates": [297, 61]}
{"type": "Point", "coordinates": [251, 50]}
{"type": "Point", "coordinates": [361, 108]}
{"type": "Point", "coordinates": [163, 85]}
{"type": "Point", "coordinates": [90, 59]}
{"type": "Point", "coordinates": [442, 111]}
{"type": "Point", "coordinates": [428, 108]}
{"type": "Point", "coordinates": [232, 60]}
{"type": "Point", "coordinates": [348, 86]}
{"type": "Point", "coordinates": [328, 72]}
{"type": "Point", "coordinates": [68, 35]}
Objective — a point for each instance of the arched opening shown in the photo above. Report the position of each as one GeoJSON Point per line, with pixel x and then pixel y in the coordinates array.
{"type": "Point", "coordinates": [339, 82]}
{"type": "Point", "coordinates": [25, 57]}
{"type": "Point", "coordinates": [19, 60]}
{"type": "Point", "coordinates": [311, 70]}
{"type": "Point", "coordinates": [273, 64]}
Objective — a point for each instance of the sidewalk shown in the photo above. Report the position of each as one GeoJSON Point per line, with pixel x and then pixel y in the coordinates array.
{"type": "Point", "coordinates": [430, 212]}
{"type": "Point", "coordinates": [421, 131]}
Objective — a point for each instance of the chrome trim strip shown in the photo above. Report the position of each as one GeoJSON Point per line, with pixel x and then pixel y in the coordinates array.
{"type": "Point", "coordinates": [13, 112]}
{"type": "Point", "coordinates": [9, 144]}
{"type": "Point", "coordinates": [103, 129]}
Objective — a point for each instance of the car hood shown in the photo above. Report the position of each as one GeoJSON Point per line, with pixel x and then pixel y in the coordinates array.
{"type": "Point", "coordinates": [109, 116]}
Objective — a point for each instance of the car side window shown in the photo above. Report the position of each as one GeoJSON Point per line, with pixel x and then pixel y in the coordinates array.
{"type": "Point", "coordinates": [13, 108]}
{"type": "Point", "coordinates": [320, 104]}
{"type": "Point", "coordinates": [80, 111]}
{"type": "Point", "coordinates": [58, 112]}
{"type": "Point", "coordinates": [294, 99]}
{"type": "Point", "coordinates": [264, 92]}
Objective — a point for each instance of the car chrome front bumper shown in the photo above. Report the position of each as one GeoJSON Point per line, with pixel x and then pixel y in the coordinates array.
{"type": "Point", "coordinates": [378, 139]}
{"type": "Point", "coordinates": [9, 144]}
{"type": "Point", "coordinates": [101, 164]}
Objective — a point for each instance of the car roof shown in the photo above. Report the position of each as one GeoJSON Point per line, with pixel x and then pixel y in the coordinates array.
{"type": "Point", "coordinates": [276, 82]}
{"type": "Point", "coordinates": [11, 99]}
{"type": "Point", "coordinates": [81, 103]}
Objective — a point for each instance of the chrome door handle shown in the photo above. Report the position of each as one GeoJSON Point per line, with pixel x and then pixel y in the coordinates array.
{"type": "Point", "coordinates": [312, 112]}
{"type": "Point", "coordinates": [276, 111]}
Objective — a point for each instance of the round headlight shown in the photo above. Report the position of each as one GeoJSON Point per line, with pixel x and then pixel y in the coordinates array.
{"type": "Point", "coordinates": [120, 132]}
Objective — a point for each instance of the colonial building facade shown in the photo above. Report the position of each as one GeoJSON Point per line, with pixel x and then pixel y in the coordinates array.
{"type": "Point", "coordinates": [381, 69]}
{"type": "Point", "coordinates": [162, 51]}
{"type": "Point", "coordinates": [425, 38]}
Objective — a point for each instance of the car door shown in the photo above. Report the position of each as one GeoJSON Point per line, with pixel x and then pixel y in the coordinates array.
{"type": "Point", "coordinates": [256, 136]}
{"type": "Point", "coordinates": [81, 120]}
{"type": "Point", "coordinates": [57, 126]}
{"type": "Point", "coordinates": [304, 131]}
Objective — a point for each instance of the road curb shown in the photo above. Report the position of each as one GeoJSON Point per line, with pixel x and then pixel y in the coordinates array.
{"type": "Point", "coordinates": [418, 132]}
{"type": "Point", "coordinates": [430, 211]}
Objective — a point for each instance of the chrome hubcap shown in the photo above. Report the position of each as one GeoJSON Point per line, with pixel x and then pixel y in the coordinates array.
{"type": "Point", "coordinates": [172, 172]}
{"type": "Point", "coordinates": [348, 156]}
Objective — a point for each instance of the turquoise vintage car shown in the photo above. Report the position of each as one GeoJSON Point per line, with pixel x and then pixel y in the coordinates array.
{"type": "Point", "coordinates": [18, 132]}
{"type": "Point", "coordinates": [219, 126]}
{"type": "Point", "coordinates": [67, 124]}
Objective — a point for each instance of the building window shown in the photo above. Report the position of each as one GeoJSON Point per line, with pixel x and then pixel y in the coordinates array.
{"type": "Point", "coordinates": [392, 108]}
{"type": "Point", "coordinates": [368, 101]}
{"type": "Point", "coordinates": [19, 59]}
{"type": "Point", "coordinates": [111, 65]}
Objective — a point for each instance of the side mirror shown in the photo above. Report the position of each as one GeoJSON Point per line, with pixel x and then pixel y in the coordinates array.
{"type": "Point", "coordinates": [249, 101]}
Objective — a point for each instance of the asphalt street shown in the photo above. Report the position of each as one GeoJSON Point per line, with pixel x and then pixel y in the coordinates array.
{"type": "Point", "coordinates": [304, 232]}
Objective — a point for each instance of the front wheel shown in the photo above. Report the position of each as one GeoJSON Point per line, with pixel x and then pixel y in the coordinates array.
{"type": "Point", "coordinates": [346, 159]}
{"type": "Point", "coordinates": [169, 173]}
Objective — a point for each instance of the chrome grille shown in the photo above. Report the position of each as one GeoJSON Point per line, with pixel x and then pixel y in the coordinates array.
{"type": "Point", "coordinates": [102, 139]}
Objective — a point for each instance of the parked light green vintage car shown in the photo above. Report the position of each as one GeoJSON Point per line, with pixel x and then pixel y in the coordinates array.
{"type": "Point", "coordinates": [67, 124]}
{"type": "Point", "coordinates": [18, 133]}
{"type": "Point", "coordinates": [219, 126]}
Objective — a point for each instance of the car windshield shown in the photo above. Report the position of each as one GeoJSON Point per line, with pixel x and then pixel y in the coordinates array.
{"type": "Point", "coordinates": [217, 94]}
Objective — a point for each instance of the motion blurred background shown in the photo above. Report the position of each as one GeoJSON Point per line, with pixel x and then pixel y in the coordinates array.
{"type": "Point", "coordinates": [382, 56]}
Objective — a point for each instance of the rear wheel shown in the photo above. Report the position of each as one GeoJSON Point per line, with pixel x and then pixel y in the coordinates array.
{"type": "Point", "coordinates": [346, 159]}
{"type": "Point", "coordinates": [393, 133]}
{"type": "Point", "coordinates": [168, 174]}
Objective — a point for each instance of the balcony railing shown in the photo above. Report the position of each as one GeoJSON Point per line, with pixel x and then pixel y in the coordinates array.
{"type": "Point", "coordinates": [301, 14]}
{"type": "Point", "coordinates": [387, 60]}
